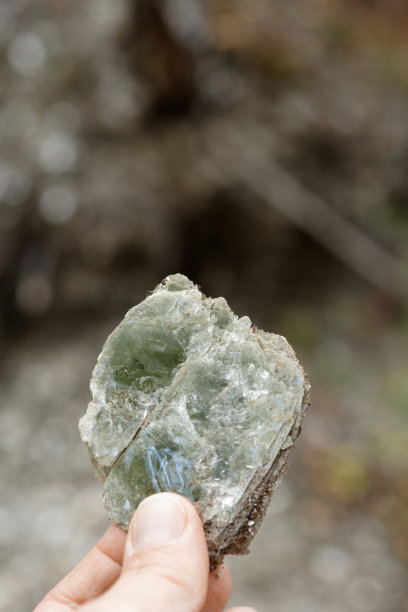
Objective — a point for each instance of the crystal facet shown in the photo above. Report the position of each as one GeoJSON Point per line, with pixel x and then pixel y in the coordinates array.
{"type": "Point", "coordinates": [187, 397]}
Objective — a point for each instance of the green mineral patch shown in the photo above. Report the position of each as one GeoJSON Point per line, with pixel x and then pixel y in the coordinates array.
{"type": "Point", "coordinates": [189, 398]}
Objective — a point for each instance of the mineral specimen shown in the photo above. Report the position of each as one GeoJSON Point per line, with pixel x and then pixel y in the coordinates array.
{"type": "Point", "coordinates": [187, 397]}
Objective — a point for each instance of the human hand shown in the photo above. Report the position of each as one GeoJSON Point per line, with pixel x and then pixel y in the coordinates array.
{"type": "Point", "coordinates": [160, 566]}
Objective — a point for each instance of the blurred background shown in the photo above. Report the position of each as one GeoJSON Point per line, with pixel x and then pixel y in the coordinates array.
{"type": "Point", "coordinates": [261, 148]}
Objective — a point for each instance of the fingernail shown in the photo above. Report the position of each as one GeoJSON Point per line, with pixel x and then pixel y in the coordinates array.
{"type": "Point", "coordinates": [158, 520]}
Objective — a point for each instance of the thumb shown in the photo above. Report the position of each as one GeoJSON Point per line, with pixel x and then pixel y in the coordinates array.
{"type": "Point", "coordinates": [166, 560]}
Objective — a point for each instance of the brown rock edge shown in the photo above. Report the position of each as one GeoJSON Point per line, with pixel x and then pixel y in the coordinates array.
{"type": "Point", "coordinates": [236, 537]}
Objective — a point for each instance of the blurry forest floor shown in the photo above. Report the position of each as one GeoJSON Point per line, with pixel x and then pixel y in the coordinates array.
{"type": "Point", "coordinates": [276, 177]}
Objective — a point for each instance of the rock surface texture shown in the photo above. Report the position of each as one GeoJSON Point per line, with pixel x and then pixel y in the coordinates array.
{"type": "Point", "coordinates": [187, 397]}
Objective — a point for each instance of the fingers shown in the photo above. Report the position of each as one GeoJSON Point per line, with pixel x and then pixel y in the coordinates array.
{"type": "Point", "coordinates": [93, 576]}
{"type": "Point", "coordinates": [219, 589]}
{"type": "Point", "coordinates": [166, 560]}
{"type": "Point", "coordinates": [165, 567]}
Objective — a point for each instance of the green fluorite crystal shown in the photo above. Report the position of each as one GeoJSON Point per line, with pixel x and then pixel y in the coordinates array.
{"type": "Point", "coordinates": [187, 397]}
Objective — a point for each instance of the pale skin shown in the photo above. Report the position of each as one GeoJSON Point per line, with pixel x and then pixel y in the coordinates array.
{"type": "Point", "coordinates": [160, 565]}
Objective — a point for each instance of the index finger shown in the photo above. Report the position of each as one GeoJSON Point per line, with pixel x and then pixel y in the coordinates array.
{"type": "Point", "coordinates": [97, 571]}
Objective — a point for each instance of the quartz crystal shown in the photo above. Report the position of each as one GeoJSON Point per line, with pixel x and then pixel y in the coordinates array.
{"type": "Point", "coordinates": [189, 398]}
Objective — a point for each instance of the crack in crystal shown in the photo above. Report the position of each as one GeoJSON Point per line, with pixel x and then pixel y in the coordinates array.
{"type": "Point", "coordinates": [143, 424]}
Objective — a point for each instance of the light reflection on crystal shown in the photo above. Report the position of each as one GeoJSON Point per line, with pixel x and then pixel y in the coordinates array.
{"type": "Point", "coordinates": [168, 469]}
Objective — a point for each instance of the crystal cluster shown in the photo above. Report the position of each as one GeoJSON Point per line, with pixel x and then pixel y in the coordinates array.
{"type": "Point", "coordinates": [187, 397]}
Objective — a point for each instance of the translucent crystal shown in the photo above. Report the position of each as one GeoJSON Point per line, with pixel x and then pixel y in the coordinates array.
{"type": "Point", "coordinates": [187, 397]}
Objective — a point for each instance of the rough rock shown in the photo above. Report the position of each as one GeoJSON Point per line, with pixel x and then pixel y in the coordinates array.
{"type": "Point", "coordinates": [187, 397]}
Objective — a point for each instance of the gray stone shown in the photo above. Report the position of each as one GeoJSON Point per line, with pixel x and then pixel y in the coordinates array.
{"type": "Point", "coordinates": [189, 398]}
